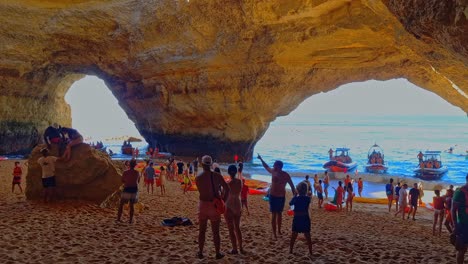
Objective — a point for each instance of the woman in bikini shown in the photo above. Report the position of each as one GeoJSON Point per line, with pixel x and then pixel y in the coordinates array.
{"type": "Point", "coordinates": [234, 210]}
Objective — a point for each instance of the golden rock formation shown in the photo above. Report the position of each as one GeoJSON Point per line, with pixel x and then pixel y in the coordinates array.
{"type": "Point", "coordinates": [204, 76]}
{"type": "Point", "coordinates": [89, 175]}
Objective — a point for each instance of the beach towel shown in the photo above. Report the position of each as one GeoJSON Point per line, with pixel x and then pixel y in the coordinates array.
{"type": "Point", "coordinates": [176, 221]}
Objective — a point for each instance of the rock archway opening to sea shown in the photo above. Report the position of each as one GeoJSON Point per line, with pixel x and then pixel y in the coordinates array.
{"type": "Point", "coordinates": [399, 116]}
{"type": "Point", "coordinates": [96, 113]}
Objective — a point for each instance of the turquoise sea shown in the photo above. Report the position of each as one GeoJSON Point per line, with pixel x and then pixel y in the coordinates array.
{"type": "Point", "coordinates": [303, 144]}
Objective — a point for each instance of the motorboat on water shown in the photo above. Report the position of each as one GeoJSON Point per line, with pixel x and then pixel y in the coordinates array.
{"type": "Point", "coordinates": [430, 166]}
{"type": "Point", "coordinates": [340, 161]}
{"type": "Point", "coordinates": [375, 160]}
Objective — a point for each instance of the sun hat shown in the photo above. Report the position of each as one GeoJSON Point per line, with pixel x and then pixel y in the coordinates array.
{"type": "Point", "coordinates": [207, 160]}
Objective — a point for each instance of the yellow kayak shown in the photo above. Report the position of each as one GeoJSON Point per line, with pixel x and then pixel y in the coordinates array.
{"type": "Point", "coordinates": [370, 200]}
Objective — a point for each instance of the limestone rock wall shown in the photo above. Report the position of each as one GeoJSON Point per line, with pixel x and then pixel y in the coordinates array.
{"type": "Point", "coordinates": [89, 175]}
{"type": "Point", "coordinates": [209, 76]}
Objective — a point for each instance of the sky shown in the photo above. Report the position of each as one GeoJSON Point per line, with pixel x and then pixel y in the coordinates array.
{"type": "Point", "coordinates": [96, 113]}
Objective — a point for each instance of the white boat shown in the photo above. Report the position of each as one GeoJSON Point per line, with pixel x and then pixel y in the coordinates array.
{"type": "Point", "coordinates": [431, 167]}
{"type": "Point", "coordinates": [375, 160]}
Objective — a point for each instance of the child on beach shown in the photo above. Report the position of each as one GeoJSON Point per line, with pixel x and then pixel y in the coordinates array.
{"type": "Point", "coordinates": [17, 173]}
{"type": "Point", "coordinates": [403, 196]}
{"type": "Point", "coordinates": [349, 200]}
{"type": "Point", "coordinates": [438, 203]}
{"type": "Point", "coordinates": [244, 193]}
{"type": "Point", "coordinates": [320, 194]}
{"type": "Point", "coordinates": [301, 220]}
{"type": "Point", "coordinates": [360, 186]}
{"type": "Point", "coordinates": [186, 181]}
{"type": "Point", "coordinates": [162, 180]}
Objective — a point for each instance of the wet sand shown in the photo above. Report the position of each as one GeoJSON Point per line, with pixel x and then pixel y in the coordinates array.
{"type": "Point", "coordinates": [78, 232]}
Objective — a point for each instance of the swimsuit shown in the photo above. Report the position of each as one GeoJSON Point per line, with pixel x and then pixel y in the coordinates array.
{"type": "Point", "coordinates": [276, 204]}
{"type": "Point", "coordinates": [207, 211]}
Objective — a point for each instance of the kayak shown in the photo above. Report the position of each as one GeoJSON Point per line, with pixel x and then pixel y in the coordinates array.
{"type": "Point", "coordinates": [258, 191]}
{"type": "Point", "coordinates": [370, 200]}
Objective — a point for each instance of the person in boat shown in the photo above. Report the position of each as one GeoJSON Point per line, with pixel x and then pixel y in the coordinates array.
{"type": "Point", "coordinates": [330, 153]}
{"type": "Point", "coordinates": [75, 138]}
{"type": "Point", "coordinates": [420, 156]}
{"type": "Point", "coordinates": [436, 164]}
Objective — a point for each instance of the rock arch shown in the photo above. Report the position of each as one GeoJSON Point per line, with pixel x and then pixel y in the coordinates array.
{"type": "Point", "coordinates": [209, 76]}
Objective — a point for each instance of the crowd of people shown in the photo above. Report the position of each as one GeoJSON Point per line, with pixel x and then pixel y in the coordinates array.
{"type": "Point", "coordinates": [218, 197]}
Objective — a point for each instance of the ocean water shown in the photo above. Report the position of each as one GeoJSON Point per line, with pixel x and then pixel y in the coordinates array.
{"type": "Point", "coordinates": [303, 144]}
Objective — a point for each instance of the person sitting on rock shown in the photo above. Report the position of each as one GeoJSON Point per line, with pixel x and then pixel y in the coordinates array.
{"type": "Point", "coordinates": [52, 135]}
{"type": "Point", "coordinates": [75, 138]}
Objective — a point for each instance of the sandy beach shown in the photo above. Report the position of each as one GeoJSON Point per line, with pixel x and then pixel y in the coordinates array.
{"type": "Point", "coordinates": [79, 232]}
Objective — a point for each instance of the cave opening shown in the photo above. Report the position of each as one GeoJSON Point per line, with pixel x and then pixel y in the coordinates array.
{"type": "Point", "coordinates": [399, 116]}
{"type": "Point", "coordinates": [97, 115]}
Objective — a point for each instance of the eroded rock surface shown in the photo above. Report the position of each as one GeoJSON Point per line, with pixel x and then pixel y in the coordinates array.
{"type": "Point", "coordinates": [208, 76]}
{"type": "Point", "coordinates": [89, 175]}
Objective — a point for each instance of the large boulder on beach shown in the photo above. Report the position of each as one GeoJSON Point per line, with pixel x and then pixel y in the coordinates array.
{"type": "Point", "coordinates": [89, 175]}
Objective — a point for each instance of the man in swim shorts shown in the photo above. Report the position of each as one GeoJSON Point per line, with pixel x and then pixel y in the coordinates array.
{"type": "Point", "coordinates": [460, 220]}
{"type": "Point", "coordinates": [208, 182]}
{"type": "Point", "coordinates": [150, 174]}
{"type": "Point", "coordinates": [389, 193]}
{"type": "Point", "coordinates": [47, 164]}
{"type": "Point", "coordinates": [413, 200]}
{"type": "Point", "coordinates": [326, 183]}
{"type": "Point", "coordinates": [130, 179]}
{"type": "Point", "coordinates": [279, 178]}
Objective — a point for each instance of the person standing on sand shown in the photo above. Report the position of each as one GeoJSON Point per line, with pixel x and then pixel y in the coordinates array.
{"type": "Point", "coordinates": [320, 194]}
{"type": "Point", "coordinates": [403, 196]}
{"type": "Point", "coordinates": [47, 164]}
{"type": "Point", "coordinates": [195, 167]}
{"type": "Point", "coordinates": [234, 210]}
{"type": "Point", "coordinates": [389, 192]}
{"type": "Point", "coordinates": [316, 182]}
{"type": "Point", "coordinates": [397, 196]}
{"type": "Point", "coordinates": [439, 209]}
{"type": "Point", "coordinates": [307, 182]}
{"type": "Point", "coordinates": [149, 177]}
{"type": "Point", "coordinates": [360, 186]}
{"type": "Point", "coordinates": [130, 179]}
{"type": "Point", "coordinates": [413, 198]}
{"type": "Point", "coordinates": [301, 220]}
{"type": "Point", "coordinates": [279, 178]}
{"type": "Point", "coordinates": [162, 180]}
{"type": "Point", "coordinates": [209, 184]}
{"type": "Point", "coordinates": [339, 196]}
{"type": "Point", "coordinates": [326, 183]}
{"type": "Point", "coordinates": [448, 206]}
{"type": "Point", "coordinates": [421, 193]}
{"type": "Point", "coordinates": [17, 173]}
{"type": "Point", "coordinates": [349, 200]}
{"type": "Point", "coordinates": [460, 220]}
